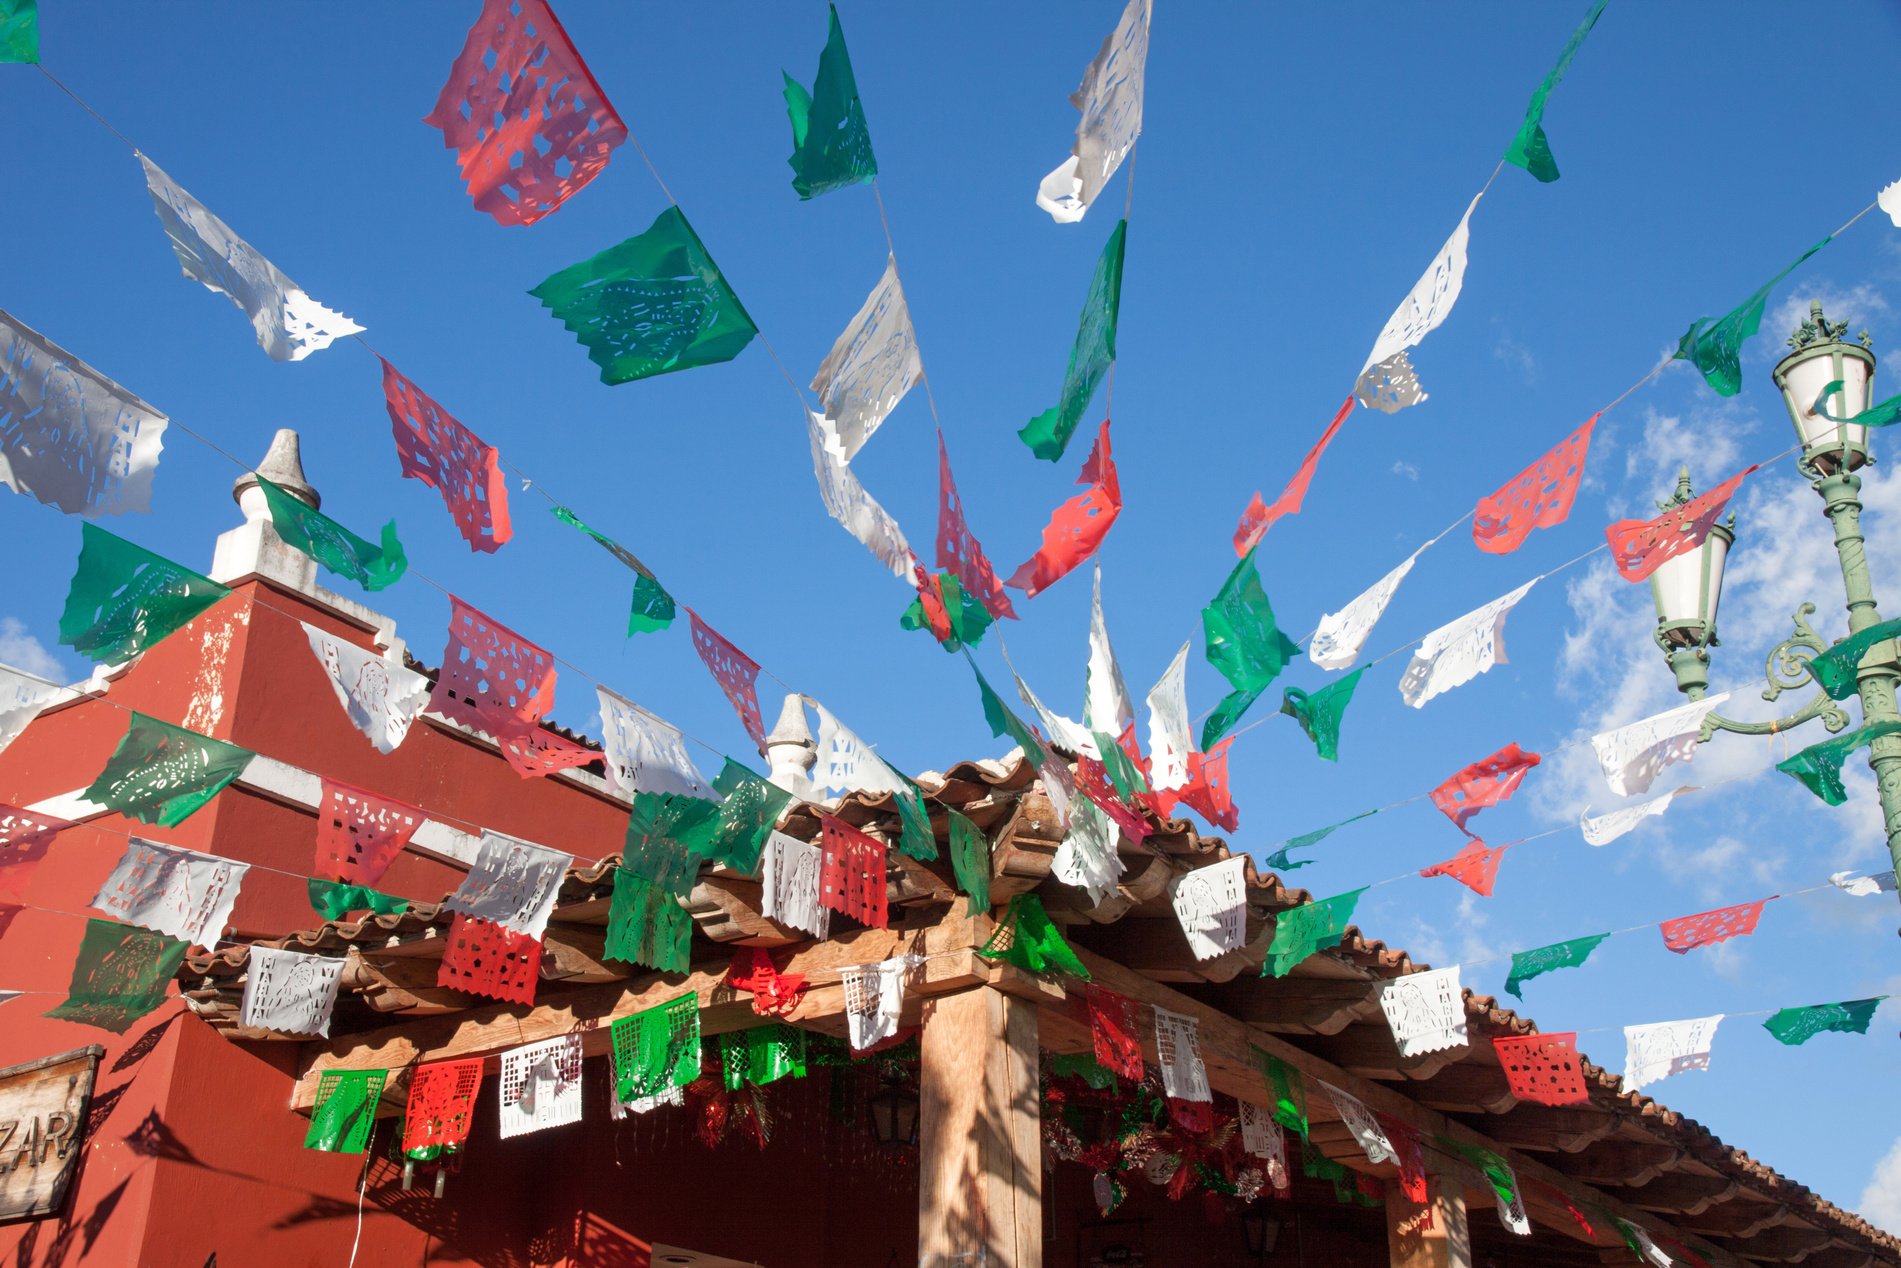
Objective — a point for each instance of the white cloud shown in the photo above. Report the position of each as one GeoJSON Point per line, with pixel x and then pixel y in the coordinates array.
{"type": "Point", "coordinates": [1406, 469]}
{"type": "Point", "coordinates": [22, 651]}
{"type": "Point", "coordinates": [1881, 1201]}
{"type": "Point", "coordinates": [1862, 306]}
{"type": "Point", "coordinates": [1516, 354]}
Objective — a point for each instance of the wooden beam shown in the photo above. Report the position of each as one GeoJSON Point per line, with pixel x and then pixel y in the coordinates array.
{"type": "Point", "coordinates": [980, 1150]}
{"type": "Point", "coordinates": [1296, 1005]}
{"type": "Point", "coordinates": [1619, 1163]}
{"type": "Point", "coordinates": [1683, 1193]}
{"type": "Point", "coordinates": [1466, 1087]}
{"type": "Point", "coordinates": [1429, 1234]}
{"type": "Point", "coordinates": [1548, 1128]}
{"type": "Point", "coordinates": [1745, 1220]}
{"type": "Point", "coordinates": [1369, 1051]}
{"type": "Point", "coordinates": [1786, 1245]}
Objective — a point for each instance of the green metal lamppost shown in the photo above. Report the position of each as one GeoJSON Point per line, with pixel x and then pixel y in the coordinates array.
{"type": "Point", "coordinates": [1687, 589]}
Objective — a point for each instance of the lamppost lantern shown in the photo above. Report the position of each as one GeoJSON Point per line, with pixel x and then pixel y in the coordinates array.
{"type": "Point", "coordinates": [1821, 361]}
{"type": "Point", "coordinates": [1686, 591]}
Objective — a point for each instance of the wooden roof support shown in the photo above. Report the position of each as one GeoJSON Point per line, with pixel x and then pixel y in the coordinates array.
{"type": "Point", "coordinates": [1683, 1193]}
{"type": "Point", "coordinates": [1619, 1163]}
{"type": "Point", "coordinates": [1786, 1244]}
{"type": "Point", "coordinates": [1546, 1127]}
{"type": "Point", "coordinates": [1296, 1005]}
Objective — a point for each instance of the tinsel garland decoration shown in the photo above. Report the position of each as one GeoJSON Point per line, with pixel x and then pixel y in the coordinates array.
{"type": "Point", "coordinates": [720, 1113]}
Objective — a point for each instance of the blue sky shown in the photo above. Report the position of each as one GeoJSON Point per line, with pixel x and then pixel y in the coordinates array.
{"type": "Point", "coordinates": [1298, 168]}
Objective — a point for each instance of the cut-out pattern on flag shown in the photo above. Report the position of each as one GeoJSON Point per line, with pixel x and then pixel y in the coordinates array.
{"type": "Point", "coordinates": [1708, 928]}
{"type": "Point", "coordinates": [1207, 792]}
{"type": "Point", "coordinates": [1243, 641]}
{"type": "Point", "coordinates": [1539, 497]}
{"type": "Point", "coordinates": [1002, 722]}
{"type": "Point", "coordinates": [483, 958]}
{"type": "Point", "coordinates": [1665, 1048]}
{"type": "Point", "coordinates": [1286, 1092]}
{"type": "Point", "coordinates": [25, 837]}
{"type": "Point", "coordinates": [1107, 705]}
{"type": "Point", "coordinates": [1211, 905]}
{"type": "Point", "coordinates": [1090, 357]}
{"type": "Point", "coordinates": [1337, 643]}
{"type": "Point", "coordinates": [1475, 866]}
{"type": "Point", "coordinates": [870, 367]}
{"type": "Point", "coordinates": [1428, 303]}
{"type": "Point", "coordinates": [1799, 1025]}
{"type": "Point", "coordinates": [846, 763]}
{"type": "Point", "coordinates": [1171, 737]}
{"type": "Point", "coordinates": [331, 544]}
{"type": "Point", "coordinates": [874, 999]}
{"type": "Point", "coordinates": [124, 598]}
{"type": "Point", "coordinates": [1425, 1011]}
{"type": "Point", "coordinates": [958, 548]}
{"type": "Point", "coordinates": [1540, 960]}
{"type": "Point", "coordinates": [1529, 149]}
{"type": "Point", "coordinates": [1077, 528]}
{"type": "Point", "coordinates": [20, 31]}
{"type": "Point", "coordinates": [1301, 931]}
{"type": "Point", "coordinates": [831, 144]}
{"type": "Point", "coordinates": [1641, 1244]}
{"type": "Point", "coordinates": [359, 834]}
{"type": "Point", "coordinates": [512, 883]}
{"type": "Point", "coordinates": [762, 1055]}
{"type": "Point", "coordinates": [1184, 1077]}
{"type": "Point", "coordinates": [1367, 1133]}
{"type": "Point", "coordinates": [1110, 98]}
{"type": "Point", "coordinates": [1029, 939]}
{"type": "Point", "coordinates": [1319, 714]}
{"type": "Point", "coordinates": [1633, 756]}
{"type": "Point", "coordinates": [1259, 517]}
{"type": "Point", "coordinates": [749, 810]}
{"type": "Point", "coordinates": [775, 994]}
{"type": "Point", "coordinates": [667, 839]}
{"type": "Point", "coordinates": [853, 880]}
{"type": "Point", "coordinates": [69, 435]}
{"type": "Point", "coordinates": [1834, 669]}
{"type": "Point", "coordinates": [495, 681]}
{"type": "Point", "coordinates": [436, 449]}
{"type": "Point", "coordinates": [441, 1103]}
{"type": "Point", "coordinates": [1113, 1031]}
{"type": "Point", "coordinates": [334, 901]}
{"type": "Point", "coordinates": [653, 607]}
{"type": "Point", "coordinates": [22, 697]}
{"type": "Point", "coordinates": [1505, 1184]}
{"type": "Point", "coordinates": [380, 697]}
{"type": "Point", "coordinates": [645, 753]}
{"type": "Point", "coordinates": [1716, 349]}
{"type": "Point", "coordinates": [970, 860]}
{"type": "Point", "coordinates": [1261, 1137]}
{"type": "Point", "coordinates": [1606, 828]}
{"type": "Point", "coordinates": [794, 885]}
{"type": "Point", "coordinates": [289, 324]}
{"type": "Point", "coordinates": [1088, 856]}
{"type": "Point", "coordinates": [345, 1110]}
{"type": "Point", "coordinates": [289, 991]}
{"type": "Point", "coordinates": [1483, 784]}
{"type": "Point", "coordinates": [541, 1085]}
{"type": "Point", "coordinates": [1455, 654]}
{"type": "Point", "coordinates": [1545, 1069]}
{"type": "Point", "coordinates": [181, 893]}
{"type": "Point", "coordinates": [1819, 766]}
{"type": "Point", "coordinates": [646, 925]}
{"type": "Point", "coordinates": [1639, 546]}
{"type": "Point", "coordinates": [736, 673]}
{"type": "Point", "coordinates": [1409, 1155]}
{"type": "Point", "coordinates": [656, 1051]}
{"type": "Point", "coordinates": [528, 124]}
{"type": "Point", "coordinates": [654, 304]}
{"type": "Point", "coordinates": [847, 501]}
{"type": "Point", "coordinates": [1093, 782]}
{"type": "Point", "coordinates": [119, 976]}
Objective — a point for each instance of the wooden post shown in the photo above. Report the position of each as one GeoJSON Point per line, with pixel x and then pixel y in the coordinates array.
{"type": "Point", "coordinates": [980, 1150]}
{"type": "Point", "coordinates": [1429, 1234]}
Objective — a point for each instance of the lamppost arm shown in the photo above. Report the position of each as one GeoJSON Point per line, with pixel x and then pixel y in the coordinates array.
{"type": "Point", "coordinates": [1787, 668]}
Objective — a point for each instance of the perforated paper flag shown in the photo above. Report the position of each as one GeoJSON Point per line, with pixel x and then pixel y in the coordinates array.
{"type": "Point", "coordinates": [1424, 307]}
{"type": "Point", "coordinates": [734, 671]}
{"type": "Point", "coordinates": [1708, 928]}
{"type": "Point", "coordinates": [647, 925]}
{"type": "Point", "coordinates": [1301, 931]}
{"type": "Point", "coordinates": [954, 618]}
{"type": "Point", "coordinates": [1077, 528]}
{"type": "Point", "coordinates": [1668, 1047]}
{"type": "Point", "coordinates": [1110, 99]}
{"type": "Point", "coordinates": [69, 435]}
{"type": "Point", "coordinates": [541, 1085]}
{"type": "Point", "coordinates": [874, 998]}
{"type": "Point", "coordinates": [1504, 1182]}
{"type": "Point", "coordinates": [657, 1049]}
{"type": "Point", "coordinates": [1475, 866]}
{"type": "Point", "coordinates": [1635, 1236]}
{"type": "Point", "coordinates": [497, 682]}
{"type": "Point", "coordinates": [853, 880]}
{"type": "Point", "coordinates": [178, 892]}
{"type": "Point", "coordinates": [1425, 1011]}
{"type": "Point", "coordinates": [1112, 1029]}
{"type": "Point", "coordinates": [1087, 857]}
{"type": "Point", "coordinates": [124, 598]}
{"type": "Point", "coordinates": [1244, 643]}
{"type": "Point", "coordinates": [1819, 766]}
{"type": "Point", "coordinates": [652, 305]}
{"type": "Point", "coordinates": [831, 145]}
{"type": "Point", "coordinates": [1798, 1025]}
{"type": "Point", "coordinates": [1065, 732]}
{"type": "Point", "coordinates": [762, 1055]}
{"type": "Point", "coordinates": [345, 1110]}
{"type": "Point", "coordinates": [653, 607]}
{"type": "Point", "coordinates": [1455, 654]}
{"type": "Point", "coordinates": [846, 763]}
{"type": "Point", "coordinates": [1171, 739]}
{"type": "Point", "coordinates": [1863, 886]}
{"type": "Point", "coordinates": [436, 449]}
{"type": "Point", "coordinates": [1107, 705]}
{"type": "Point", "coordinates": [441, 1103]}
{"type": "Point", "coordinates": [1090, 356]}
{"type": "Point", "coordinates": [1184, 1077]}
{"type": "Point", "coordinates": [847, 502]}
{"type": "Point", "coordinates": [1529, 149]}
{"type": "Point", "coordinates": [483, 958]}
{"type": "Point", "coordinates": [1259, 517]}
{"type": "Point", "coordinates": [1208, 792]}
{"type": "Point", "coordinates": [528, 124]}
{"type": "Point", "coordinates": [1003, 722]}
{"type": "Point", "coordinates": [1559, 955]}
{"type": "Point", "coordinates": [331, 544]}
{"type": "Point", "coordinates": [334, 901]}
{"type": "Point", "coordinates": [1093, 783]}
{"type": "Point", "coordinates": [22, 696]}
{"type": "Point", "coordinates": [511, 883]}
{"type": "Point", "coordinates": [1539, 497]}
{"type": "Point", "coordinates": [20, 31]}
{"type": "Point", "coordinates": [1367, 1132]}
{"type": "Point", "coordinates": [1716, 348]}
{"type": "Point", "coordinates": [1319, 714]}
{"type": "Point", "coordinates": [1835, 669]}
{"type": "Point", "coordinates": [958, 548]}
{"type": "Point", "coordinates": [1543, 1068]}
{"type": "Point", "coordinates": [792, 885]}
{"type": "Point", "coordinates": [749, 809]}
{"type": "Point", "coordinates": [119, 975]}
{"type": "Point", "coordinates": [1639, 546]}
{"type": "Point", "coordinates": [645, 753]}
{"type": "Point", "coordinates": [970, 861]}
{"type": "Point", "coordinates": [1608, 827]}
{"type": "Point", "coordinates": [1632, 756]}
{"type": "Point", "coordinates": [289, 991]}
{"type": "Point", "coordinates": [1483, 784]}
{"type": "Point", "coordinates": [1029, 939]}
{"type": "Point", "coordinates": [1262, 1138]}
{"type": "Point", "coordinates": [290, 325]}
{"type": "Point", "coordinates": [871, 365]}
{"type": "Point", "coordinates": [380, 696]}
{"type": "Point", "coordinates": [1211, 904]}
{"type": "Point", "coordinates": [1337, 643]}
{"type": "Point", "coordinates": [359, 834]}
{"type": "Point", "coordinates": [162, 773]}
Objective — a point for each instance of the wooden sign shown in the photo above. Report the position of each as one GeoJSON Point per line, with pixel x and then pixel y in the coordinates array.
{"type": "Point", "coordinates": [42, 1121]}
